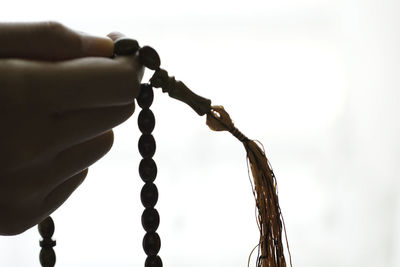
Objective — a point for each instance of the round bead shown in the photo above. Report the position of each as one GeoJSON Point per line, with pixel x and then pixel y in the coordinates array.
{"type": "Point", "coordinates": [125, 46]}
{"type": "Point", "coordinates": [146, 95]}
{"type": "Point", "coordinates": [146, 121]}
{"type": "Point", "coordinates": [151, 243]}
{"type": "Point", "coordinates": [147, 145]}
{"type": "Point", "coordinates": [149, 57]}
{"type": "Point", "coordinates": [46, 227]}
{"type": "Point", "coordinates": [153, 261]}
{"type": "Point", "coordinates": [148, 170]}
{"type": "Point", "coordinates": [47, 257]}
{"type": "Point", "coordinates": [149, 195]}
{"type": "Point", "coordinates": [150, 220]}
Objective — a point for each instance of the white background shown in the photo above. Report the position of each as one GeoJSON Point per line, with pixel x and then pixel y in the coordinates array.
{"type": "Point", "coordinates": [316, 81]}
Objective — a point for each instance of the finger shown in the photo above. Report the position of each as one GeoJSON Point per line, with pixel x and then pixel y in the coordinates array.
{"type": "Point", "coordinates": [23, 217]}
{"type": "Point", "coordinates": [81, 125]}
{"type": "Point", "coordinates": [61, 193]}
{"type": "Point", "coordinates": [75, 159]}
{"type": "Point", "coordinates": [40, 179]}
{"type": "Point", "coordinates": [91, 82]}
{"type": "Point", "coordinates": [75, 84]}
{"type": "Point", "coordinates": [50, 41]}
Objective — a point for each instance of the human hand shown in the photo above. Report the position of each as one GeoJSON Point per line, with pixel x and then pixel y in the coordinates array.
{"type": "Point", "coordinates": [60, 96]}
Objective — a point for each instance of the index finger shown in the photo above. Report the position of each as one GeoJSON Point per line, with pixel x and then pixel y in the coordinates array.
{"type": "Point", "coordinates": [90, 82]}
{"type": "Point", "coordinates": [50, 40]}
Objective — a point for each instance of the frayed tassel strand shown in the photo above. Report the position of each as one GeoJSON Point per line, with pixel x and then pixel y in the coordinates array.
{"type": "Point", "coordinates": [271, 253]}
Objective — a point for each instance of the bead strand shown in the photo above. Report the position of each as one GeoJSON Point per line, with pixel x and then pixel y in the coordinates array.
{"type": "Point", "coordinates": [149, 58]}
{"type": "Point", "coordinates": [148, 173]}
{"type": "Point", "coordinates": [47, 255]}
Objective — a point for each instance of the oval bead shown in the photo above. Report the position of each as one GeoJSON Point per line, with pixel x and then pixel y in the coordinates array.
{"type": "Point", "coordinates": [148, 170]}
{"type": "Point", "coordinates": [151, 243]}
{"type": "Point", "coordinates": [146, 95]}
{"type": "Point", "coordinates": [46, 227]}
{"type": "Point", "coordinates": [125, 46]}
{"type": "Point", "coordinates": [149, 57]}
{"type": "Point", "coordinates": [147, 145]}
{"type": "Point", "coordinates": [146, 121]}
{"type": "Point", "coordinates": [153, 261]}
{"type": "Point", "coordinates": [150, 220]}
{"type": "Point", "coordinates": [149, 195]}
{"type": "Point", "coordinates": [47, 257]}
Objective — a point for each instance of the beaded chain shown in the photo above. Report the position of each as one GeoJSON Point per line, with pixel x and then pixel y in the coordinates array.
{"type": "Point", "coordinates": [147, 147]}
{"type": "Point", "coordinates": [264, 186]}
{"type": "Point", "coordinates": [148, 172]}
{"type": "Point", "coordinates": [149, 58]}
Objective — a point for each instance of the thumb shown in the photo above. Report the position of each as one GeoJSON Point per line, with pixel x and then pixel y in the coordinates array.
{"type": "Point", "coordinates": [50, 41]}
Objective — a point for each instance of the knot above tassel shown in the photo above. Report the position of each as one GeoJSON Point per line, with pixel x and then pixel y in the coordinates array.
{"type": "Point", "coordinates": [219, 120]}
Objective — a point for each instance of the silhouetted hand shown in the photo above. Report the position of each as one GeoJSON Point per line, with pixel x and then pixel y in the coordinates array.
{"type": "Point", "coordinates": [60, 96]}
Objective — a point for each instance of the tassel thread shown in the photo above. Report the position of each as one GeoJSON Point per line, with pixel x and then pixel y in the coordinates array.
{"type": "Point", "coordinates": [264, 186]}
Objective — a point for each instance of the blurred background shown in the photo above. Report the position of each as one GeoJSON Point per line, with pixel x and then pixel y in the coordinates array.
{"type": "Point", "coordinates": [316, 81]}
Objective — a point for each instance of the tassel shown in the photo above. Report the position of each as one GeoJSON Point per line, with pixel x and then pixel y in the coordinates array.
{"type": "Point", "coordinates": [264, 183]}
{"type": "Point", "coordinates": [264, 187]}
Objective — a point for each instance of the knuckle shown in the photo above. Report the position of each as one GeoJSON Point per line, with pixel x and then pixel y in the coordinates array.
{"type": "Point", "coordinates": [52, 26]}
{"type": "Point", "coordinates": [59, 35]}
{"type": "Point", "coordinates": [49, 28]}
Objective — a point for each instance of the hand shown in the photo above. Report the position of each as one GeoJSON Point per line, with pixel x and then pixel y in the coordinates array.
{"type": "Point", "coordinates": [60, 96]}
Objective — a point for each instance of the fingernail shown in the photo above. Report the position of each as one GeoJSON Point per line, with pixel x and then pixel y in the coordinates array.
{"type": "Point", "coordinates": [115, 35]}
{"type": "Point", "coordinates": [97, 46]}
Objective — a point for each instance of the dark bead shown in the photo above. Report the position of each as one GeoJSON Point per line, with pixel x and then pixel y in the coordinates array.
{"type": "Point", "coordinates": [125, 46]}
{"type": "Point", "coordinates": [153, 261]}
{"type": "Point", "coordinates": [151, 243]}
{"type": "Point", "coordinates": [147, 145]}
{"type": "Point", "coordinates": [47, 257]}
{"type": "Point", "coordinates": [149, 57]}
{"type": "Point", "coordinates": [150, 220]}
{"type": "Point", "coordinates": [148, 170]}
{"type": "Point", "coordinates": [46, 227]}
{"type": "Point", "coordinates": [149, 195]}
{"type": "Point", "coordinates": [146, 95]}
{"type": "Point", "coordinates": [47, 243]}
{"type": "Point", "coordinates": [146, 121]}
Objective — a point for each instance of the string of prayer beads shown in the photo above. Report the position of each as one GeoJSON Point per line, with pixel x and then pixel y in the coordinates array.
{"type": "Point", "coordinates": [147, 147]}
{"type": "Point", "coordinates": [264, 185]}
